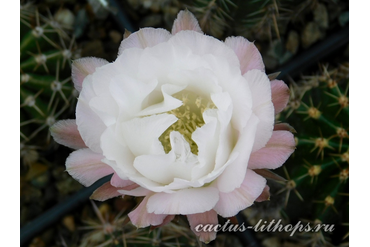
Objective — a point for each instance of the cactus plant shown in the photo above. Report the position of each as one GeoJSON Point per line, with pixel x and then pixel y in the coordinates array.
{"type": "Point", "coordinates": [45, 90]}
{"type": "Point", "coordinates": [107, 224]}
{"type": "Point", "coordinates": [319, 169]}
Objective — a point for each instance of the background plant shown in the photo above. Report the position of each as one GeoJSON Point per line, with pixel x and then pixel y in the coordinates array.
{"type": "Point", "coordinates": [46, 94]}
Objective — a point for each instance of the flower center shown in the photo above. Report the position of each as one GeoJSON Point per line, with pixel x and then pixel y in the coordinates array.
{"type": "Point", "coordinates": [190, 116]}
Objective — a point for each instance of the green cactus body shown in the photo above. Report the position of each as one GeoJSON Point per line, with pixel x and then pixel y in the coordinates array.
{"type": "Point", "coordinates": [319, 111]}
{"type": "Point", "coordinates": [45, 85]}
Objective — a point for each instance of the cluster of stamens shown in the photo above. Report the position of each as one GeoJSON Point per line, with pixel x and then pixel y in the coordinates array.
{"type": "Point", "coordinates": [190, 117]}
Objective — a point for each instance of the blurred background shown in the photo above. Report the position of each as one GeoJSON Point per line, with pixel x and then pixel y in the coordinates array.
{"type": "Point", "coordinates": [305, 40]}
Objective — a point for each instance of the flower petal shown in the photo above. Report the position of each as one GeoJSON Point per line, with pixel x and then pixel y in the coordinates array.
{"type": "Point", "coordinates": [248, 54]}
{"type": "Point", "coordinates": [88, 122]}
{"type": "Point", "coordinates": [185, 21]}
{"type": "Point", "coordinates": [182, 201]}
{"type": "Point", "coordinates": [262, 106]}
{"type": "Point", "coordinates": [234, 173]}
{"type": "Point", "coordinates": [116, 181]}
{"type": "Point", "coordinates": [65, 132]}
{"type": "Point", "coordinates": [86, 166]}
{"type": "Point", "coordinates": [129, 93]}
{"type": "Point", "coordinates": [275, 153]}
{"type": "Point", "coordinates": [168, 103]}
{"type": "Point", "coordinates": [117, 154]}
{"type": "Point", "coordinates": [178, 163]}
{"type": "Point", "coordinates": [265, 195]}
{"type": "Point", "coordinates": [141, 218]}
{"type": "Point", "coordinates": [231, 203]}
{"type": "Point", "coordinates": [84, 66]}
{"type": "Point", "coordinates": [145, 37]}
{"type": "Point", "coordinates": [203, 45]}
{"type": "Point", "coordinates": [105, 192]}
{"type": "Point", "coordinates": [199, 222]}
{"type": "Point", "coordinates": [141, 134]}
{"type": "Point", "coordinates": [279, 95]}
{"type": "Point", "coordinates": [207, 140]}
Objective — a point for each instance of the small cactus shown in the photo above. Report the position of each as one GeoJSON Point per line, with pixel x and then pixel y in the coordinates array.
{"type": "Point", "coordinates": [319, 169]}
{"type": "Point", "coordinates": [45, 88]}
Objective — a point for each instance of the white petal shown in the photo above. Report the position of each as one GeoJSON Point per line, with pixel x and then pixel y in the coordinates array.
{"type": "Point", "coordinates": [105, 107]}
{"type": "Point", "coordinates": [234, 174]}
{"type": "Point", "coordinates": [178, 163]}
{"type": "Point", "coordinates": [145, 37]}
{"type": "Point", "coordinates": [88, 122]}
{"type": "Point", "coordinates": [202, 45]}
{"type": "Point", "coordinates": [187, 201]}
{"type": "Point", "coordinates": [224, 105]}
{"type": "Point", "coordinates": [207, 140]}
{"type": "Point", "coordinates": [262, 106]}
{"type": "Point", "coordinates": [129, 93]}
{"type": "Point", "coordinates": [231, 81]}
{"type": "Point", "coordinates": [117, 155]}
{"type": "Point", "coordinates": [156, 167]}
{"type": "Point", "coordinates": [168, 103]}
{"type": "Point", "coordinates": [141, 134]}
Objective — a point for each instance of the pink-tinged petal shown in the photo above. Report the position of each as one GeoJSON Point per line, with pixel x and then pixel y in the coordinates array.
{"type": "Point", "coordinates": [182, 201]}
{"type": "Point", "coordinates": [275, 153]}
{"type": "Point", "coordinates": [65, 132]}
{"type": "Point", "coordinates": [86, 166]}
{"type": "Point", "coordinates": [265, 195]}
{"type": "Point", "coordinates": [231, 203]}
{"type": "Point", "coordinates": [134, 190]}
{"type": "Point", "coordinates": [248, 54]}
{"type": "Point", "coordinates": [145, 37]}
{"type": "Point", "coordinates": [167, 220]}
{"type": "Point", "coordinates": [185, 21]}
{"type": "Point", "coordinates": [108, 190]}
{"type": "Point", "coordinates": [284, 126]}
{"type": "Point", "coordinates": [266, 173]}
{"type": "Point", "coordinates": [279, 95]}
{"type": "Point", "coordinates": [85, 66]}
{"type": "Point", "coordinates": [141, 218]}
{"type": "Point", "coordinates": [204, 225]}
{"type": "Point", "coordinates": [116, 181]}
{"type": "Point", "coordinates": [105, 192]}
